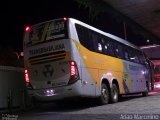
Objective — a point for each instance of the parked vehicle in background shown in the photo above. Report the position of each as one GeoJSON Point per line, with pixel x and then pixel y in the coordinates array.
{"type": "Point", "coordinates": [152, 52]}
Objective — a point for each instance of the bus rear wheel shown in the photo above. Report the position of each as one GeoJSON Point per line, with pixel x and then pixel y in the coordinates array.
{"type": "Point", "coordinates": [114, 93]}
{"type": "Point", "coordinates": [105, 94]}
{"type": "Point", "coordinates": [145, 93]}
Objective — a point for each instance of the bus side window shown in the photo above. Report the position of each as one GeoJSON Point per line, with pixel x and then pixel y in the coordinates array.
{"type": "Point", "coordinates": [109, 47]}
{"type": "Point", "coordinates": [101, 44]}
{"type": "Point", "coordinates": [118, 50]}
{"type": "Point", "coordinates": [99, 47]}
{"type": "Point", "coordinates": [131, 55]}
{"type": "Point", "coordinates": [134, 55]}
{"type": "Point", "coordinates": [142, 59]}
{"type": "Point", "coordinates": [96, 44]}
{"type": "Point", "coordinates": [126, 54]}
{"type": "Point", "coordinates": [84, 35]}
{"type": "Point", "coordinates": [139, 55]}
{"type": "Point", "coordinates": [105, 46]}
{"type": "Point", "coordinates": [145, 60]}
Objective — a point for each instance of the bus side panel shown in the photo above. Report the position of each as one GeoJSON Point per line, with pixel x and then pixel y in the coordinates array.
{"type": "Point", "coordinates": [134, 79]}
{"type": "Point", "coordinates": [85, 72]}
{"type": "Point", "coordinates": [88, 84]}
{"type": "Point", "coordinates": [89, 72]}
{"type": "Point", "coordinates": [112, 69]}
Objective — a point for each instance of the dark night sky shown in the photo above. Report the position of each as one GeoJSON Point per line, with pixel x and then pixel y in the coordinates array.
{"type": "Point", "coordinates": [20, 13]}
{"type": "Point", "coordinates": [15, 15]}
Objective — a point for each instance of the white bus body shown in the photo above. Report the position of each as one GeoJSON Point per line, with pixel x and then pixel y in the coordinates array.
{"type": "Point", "coordinates": [58, 65]}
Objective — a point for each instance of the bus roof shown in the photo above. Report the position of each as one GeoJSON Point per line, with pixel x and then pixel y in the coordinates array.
{"type": "Point", "coordinates": [104, 33]}
{"type": "Point", "coordinates": [47, 21]}
{"type": "Point", "coordinates": [95, 29]}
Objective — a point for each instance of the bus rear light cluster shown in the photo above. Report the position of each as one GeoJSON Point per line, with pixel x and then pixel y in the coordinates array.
{"type": "Point", "coordinates": [74, 75]}
{"type": "Point", "coordinates": [64, 18]}
{"type": "Point", "coordinates": [27, 80]}
{"type": "Point", "coordinates": [26, 76]}
{"type": "Point", "coordinates": [73, 68]}
{"type": "Point", "coordinates": [27, 28]}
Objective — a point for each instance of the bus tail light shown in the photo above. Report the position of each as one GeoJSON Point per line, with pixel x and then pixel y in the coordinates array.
{"type": "Point", "coordinates": [27, 28]}
{"type": "Point", "coordinates": [74, 75]}
{"type": "Point", "coordinates": [26, 76]}
{"type": "Point", "coordinates": [65, 18]}
{"type": "Point", "coordinates": [27, 80]}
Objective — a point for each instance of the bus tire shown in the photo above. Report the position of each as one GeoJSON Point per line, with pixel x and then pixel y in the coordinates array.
{"type": "Point", "coordinates": [114, 93]}
{"type": "Point", "coordinates": [145, 93]}
{"type": "Point", "coordinates": [105, 94]}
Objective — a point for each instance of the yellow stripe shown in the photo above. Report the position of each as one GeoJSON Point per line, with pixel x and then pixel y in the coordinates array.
{"type": "Point", "coordinates": [100, 64]}
{"type": "Point", "coordinates": [44, 32]}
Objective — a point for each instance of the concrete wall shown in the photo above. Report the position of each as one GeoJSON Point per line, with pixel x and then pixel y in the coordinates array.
{"type": "Point", "coordinates": [12, 87]}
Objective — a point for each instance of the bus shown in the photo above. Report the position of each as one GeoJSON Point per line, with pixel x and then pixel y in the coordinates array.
{"type": "Point", "coordinates": [66, 58]}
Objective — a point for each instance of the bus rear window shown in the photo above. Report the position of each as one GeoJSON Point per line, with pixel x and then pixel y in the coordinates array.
{"type": "Point", "coordinates": [48, 31]}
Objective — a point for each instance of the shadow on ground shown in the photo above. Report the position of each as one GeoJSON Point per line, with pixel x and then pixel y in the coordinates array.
{"type": "Point", "coordinates": [74, 105]}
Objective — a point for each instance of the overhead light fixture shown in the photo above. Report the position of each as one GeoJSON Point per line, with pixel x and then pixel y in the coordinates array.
{"type": "Point", "coordinates": [150, 46]}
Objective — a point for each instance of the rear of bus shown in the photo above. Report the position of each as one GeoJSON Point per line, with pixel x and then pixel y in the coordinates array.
{"type": "Point", "coordinates": [51, 69]}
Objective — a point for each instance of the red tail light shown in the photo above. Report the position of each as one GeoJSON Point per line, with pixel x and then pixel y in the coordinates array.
{"type": "Point", "coordinates": [64, 18]}
{"type": "Point", "coordinates": [27, 28]}
{"type": "Point", "coordinates": [27, 80]}
{"type": "Point", "coordinates": [73, 68]}
{"type": "Point", "coordinates": [27, 76]}
{"type": "Point", "coordinates": [74, 75]}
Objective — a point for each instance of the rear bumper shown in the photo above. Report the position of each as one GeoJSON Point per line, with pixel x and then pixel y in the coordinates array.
{"type": "Point", "coordinates": [59, 93]}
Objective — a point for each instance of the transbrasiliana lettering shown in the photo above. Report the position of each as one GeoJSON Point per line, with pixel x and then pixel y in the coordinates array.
{"type": "Point", "coordinates": [47, 49]}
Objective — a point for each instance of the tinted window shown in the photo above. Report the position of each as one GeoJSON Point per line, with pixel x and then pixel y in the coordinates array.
{"type": "Point", "coordinates": [85, 37]}
{"type": "Point", "coordinates": [48, 31]}
{"type": "Point", "coordinates": [126, 53]}
{"type": "Point", "coordinates": [118, 50]}
{"type": "Point", "coordinates": [100, 43]}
